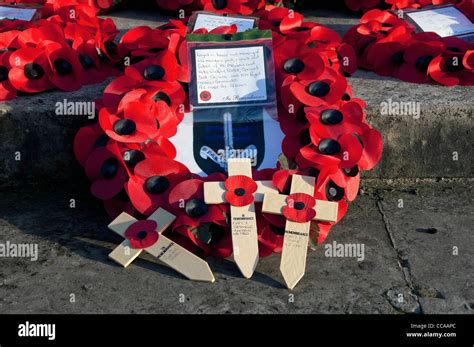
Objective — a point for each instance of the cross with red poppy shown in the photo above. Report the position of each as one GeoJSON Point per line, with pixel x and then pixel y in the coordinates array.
{"type": "Point", "coordinates": [240, 191]}
{"type": "Point", "coordinates": [299, 209]}
{"type": "Point", "coordinates": [145, 235]}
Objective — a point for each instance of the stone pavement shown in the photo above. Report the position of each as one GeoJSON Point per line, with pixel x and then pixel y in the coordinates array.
{"type": "Point", "coordinates": [418, 259]}
{"type": "Point", "coordinates": [414, 217]}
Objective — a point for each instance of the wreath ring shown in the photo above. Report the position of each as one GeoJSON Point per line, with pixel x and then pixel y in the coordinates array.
{"type": "Point", "coordinates": [131, 162]}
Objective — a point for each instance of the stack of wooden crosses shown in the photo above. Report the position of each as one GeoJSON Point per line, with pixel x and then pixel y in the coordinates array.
{"type": "Point", "coordinates": [147, 235]}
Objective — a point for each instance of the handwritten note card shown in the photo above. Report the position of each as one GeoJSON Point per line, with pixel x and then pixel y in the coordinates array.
{"type": "Point", "coordinates": [7, 12]}
{"type": "Point", "coordinates": [230, 75]}
{"type": "Point", "coordinates": [445, 21]}
{"type": "Point", "coordinates": [210, 22]}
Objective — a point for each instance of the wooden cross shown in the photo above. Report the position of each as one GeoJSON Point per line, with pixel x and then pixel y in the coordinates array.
{"type": "Point", "coordinates": [295, 242]}
{"type": "Point", "coordinates": [167, 251]}
{"type": "Point", "coordinates": [243, 219]}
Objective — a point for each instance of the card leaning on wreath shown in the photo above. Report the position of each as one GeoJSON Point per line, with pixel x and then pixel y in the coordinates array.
{"type": "Point", "coordinates": [214, 176]}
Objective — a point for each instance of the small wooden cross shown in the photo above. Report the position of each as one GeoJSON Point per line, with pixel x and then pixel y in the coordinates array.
{"type": "Point", "coordinates": [295, 242]}
{"type": "Point", "coordinates": [244, 223]}
{"type": "Point", "coordinates": [167, 251]}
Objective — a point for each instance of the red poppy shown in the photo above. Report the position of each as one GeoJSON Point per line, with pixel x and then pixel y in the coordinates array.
{"type": "Point", "coordinates": [65, 67]}
{"type": "Point", "coordinates": [252, 7]}
{"type": "Point", "coordinates": [387, 57]}
{"type": "Point", "coordinates": [270, 238]}
{"type": "Point", "coordinates": [347, 58]}
{"type": "Point", "coordinates": [10, 25]}
{"type": "Point", "coordinates": [389, 18]}
{"type": "Point", "coordinates": [240, 190]}
{"type": "Point", "coordinates": [42, 35]}
{"type": "Point", "coordinates": [292, 123]}
{"type": "Point", "coordinates": [137, 124]}
{"type": "Point", "coordinates": [285, 21]}
{"type": "Point", "coordinates": [133, 153]}
{"type": "Point", "coordinates": [297, 59]}
{"type": "Point", "coordinates": [167, 119]}
{"type": "Point", "coordinates": [344, 151]}
{"type": "Point", "coordinates": [300, 208]}
{"type": "Point", "coordinates": [448, 69]}
{"type": "Point", "coordinates": [322, 38]}
{"type": "Point", "coordinates": [9, 39]}
{"type": "Point", "coordinates": [271, 19]}
{"type": "Point", "coordinates": [375, 26]}
{"type": "Point", "coordinates": [7, 91]}
{"type": "Point", "coordinates": [118, 204]}
{"type": "Point", "coordinates": [210, 238]}
{"type": "Point", "coordinates": [142, 234]}
{"type": "Point", "coordinates": [106, 4]}
{"type": "Point", "coordinates": [116, 89]}
{"type": "Point", "coordinates": [322, 233]}
{"type": "Point", "coordinates": [340, 183]}
{"type": "Point", "coordinates": [152, 181]}
{"type": "Point", "coordinates": [174, 26]}
{"type": "Point", "coordinates": [106, 172]}
{"type": "Point", "coordinates": [222, 6]}
{"type": "Point", "coordinates": [373, 147]}
{"type": "Point", "coordinates": [468, 59]}
{"type": "Point", "coordinates": [293, 21]}
{"type": "Point", "coordinates": [417, 58]}
{"type": "Point", "coordinates": [166, 146]}
{"type": "Point", "coordinates": [327, 190]}
{"type": "Point", "coordinates": [30, 70]}
{"type": "Point", "coordinates": [328, 88]}
{"type": "Point", "coordinates": [187, 199]}
{"type": "Point", "coordinates": [170, 93]}
{"type": "Point", "coordinates": [292, 144]}
{"type": "Point", "coordinates": [143, 41]}
{"type": "Point", "coordinates": [183, 68]}
{"type": "Point", "coordinates": [282, 181]}
{"type": "Point", "coordinates": [336, 121]}
{"type": "Point", "coordinates": [161, 67]}
{"type": "Point", "coordinates": [92, 70]}
{"type": "Point", "coordinates": [86, 140]}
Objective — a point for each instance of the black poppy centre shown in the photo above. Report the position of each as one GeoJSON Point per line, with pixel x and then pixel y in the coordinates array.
{"type": "Point", "coordinates": [157, 184]}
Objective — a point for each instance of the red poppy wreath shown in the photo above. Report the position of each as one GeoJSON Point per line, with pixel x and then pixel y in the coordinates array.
{"type": "Point", "coordinates": [132, 163]}
{"type": "Point", "coordinates": [66, 49]}
{"type": "Point", "coordinates": [391, 46]}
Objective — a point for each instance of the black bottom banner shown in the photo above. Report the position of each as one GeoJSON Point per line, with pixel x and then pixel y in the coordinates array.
{"type": "Point", "coordinates": [397, 330]}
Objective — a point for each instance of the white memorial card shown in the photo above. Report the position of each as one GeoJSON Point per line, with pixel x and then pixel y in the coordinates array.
{"type": "Point", "coordinates": [26, 14]}
{"type": "Point", "coordinates": [212, 21]}
{"type": "Point", "coordinates": [230, 75]}
{"type": "Point", "coordinates": [445, 21]}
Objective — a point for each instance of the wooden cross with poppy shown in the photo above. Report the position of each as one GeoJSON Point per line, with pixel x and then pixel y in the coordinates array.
{"type": "Point", "coordinates": [240, 191]}
{"type": "Point", "coordinates": [146, 235]}
{"type": "Point", "coordinates": [299, 209]}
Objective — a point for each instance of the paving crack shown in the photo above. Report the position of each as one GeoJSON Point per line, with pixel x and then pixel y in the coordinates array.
{"type": "Point", "coordinates": [402, 261]}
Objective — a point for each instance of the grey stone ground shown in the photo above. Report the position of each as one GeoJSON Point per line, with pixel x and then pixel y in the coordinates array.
{"type": "Point", "coordinates": [410, 250]}
{"type": "Point", "coordinates": [402, 256]}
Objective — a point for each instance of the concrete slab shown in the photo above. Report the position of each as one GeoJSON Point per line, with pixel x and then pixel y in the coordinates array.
{"type": "Point", "coordinates": [431, 230]}
{"type": "Point", "coordinates": [421, 147]}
